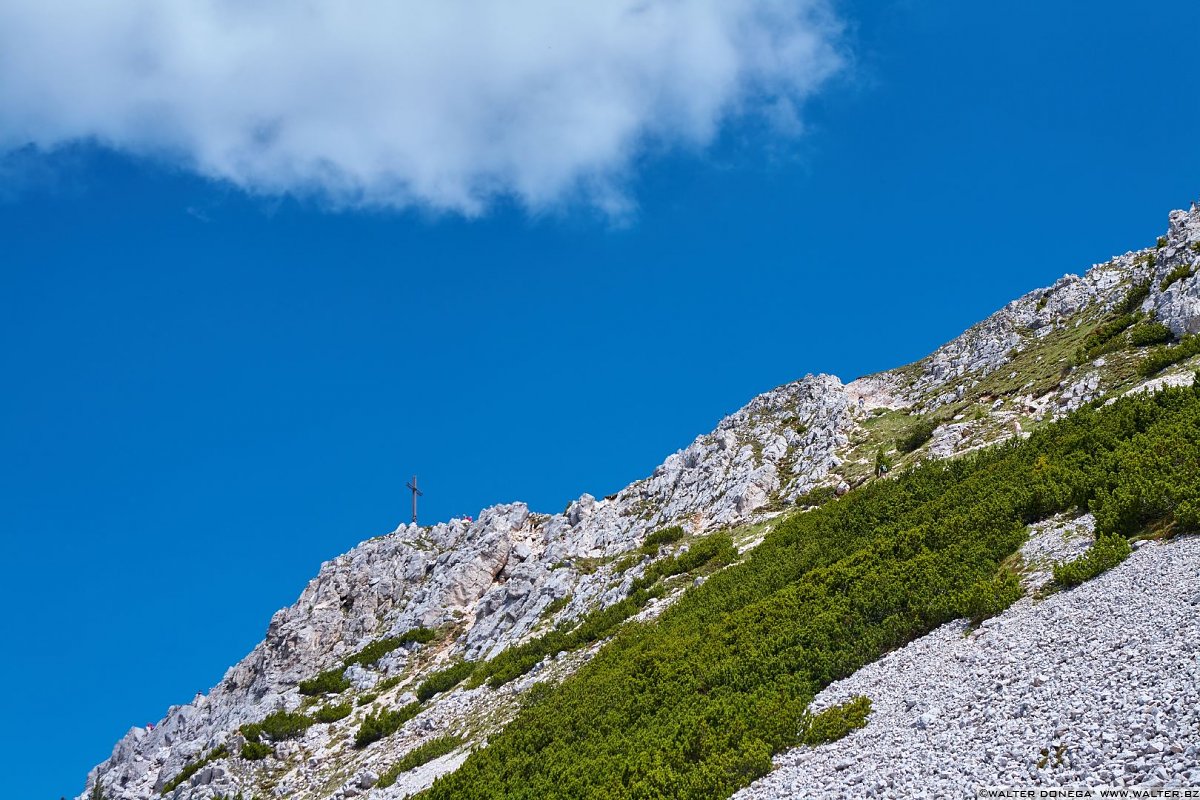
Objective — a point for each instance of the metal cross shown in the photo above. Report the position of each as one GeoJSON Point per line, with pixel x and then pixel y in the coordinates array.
{"type": "Point", "coordinates": [416, 493]}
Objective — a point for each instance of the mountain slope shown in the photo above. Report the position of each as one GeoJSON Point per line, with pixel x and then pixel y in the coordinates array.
{"type": "Point", "coordinates": [486, 586]}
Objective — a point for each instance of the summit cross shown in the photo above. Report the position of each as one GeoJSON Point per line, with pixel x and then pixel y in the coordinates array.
{"type": "Point", "coordinates": [415, 493]}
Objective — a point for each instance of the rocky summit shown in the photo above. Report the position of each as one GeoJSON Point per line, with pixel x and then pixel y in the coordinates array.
{"type": "Point", "coordinates": [364, 687]}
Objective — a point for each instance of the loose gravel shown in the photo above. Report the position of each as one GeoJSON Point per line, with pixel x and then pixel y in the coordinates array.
{"type": "Point", "coordinates": [1095, 686]}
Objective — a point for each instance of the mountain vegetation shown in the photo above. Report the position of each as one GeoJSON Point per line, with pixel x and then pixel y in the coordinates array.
{"type": "Point", "coordinates": [695, 704]}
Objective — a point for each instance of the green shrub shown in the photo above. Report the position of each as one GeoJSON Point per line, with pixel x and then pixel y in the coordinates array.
{"type": "Point", "coordinates": [1160, 243]}
{"type": "Point", "coordinates": [1148, 333]}
{"type": "Point", "coordinates": [1106, 553]}
{"type": "Point", "coordinates": [383, 723]}
{"type": "Point", "coordinates": [367, 699]}
{"type": "Point", "coordinates": [434, 748]}
{"type": "Point", "coordinates": [329, 714]}
{"type": "Point", "coordinates": [987, 598]}
{"type": "Point", "coordinates": [1162, 357]}
{"type": "Point", "coordinates": [556, 605]}
{"type": "Point", "coordinates": [536, 693]}
{"type": "Point", "coordinates": [628, 562]}
{"type": "Point", "coordinates": [1104, 338]}
{"type": "Point", "coordinates": [660, 537]}
{"type": "Point", "coordinates": [191, 769]}
{"type": "Point", "coordinates": [252, 731]}
{"type": "Point", "coordinates": [917, 434]}
{"type": "Point", "coordinates": [1133, 300]}
{"type": "Point", "coordinates": [388, 683]}
{"type": "Point", "coordinates": [516, 661]}
{"type": "Point", "coordinates": [370, 655]}
{"type": "Point", "coordinates": [256, 751]}
{"type": "Point", "coordinates": [817, 496]}
{"type": "Point", "coordinates": [835, 722]}
{"type": "Point", "coordinates": [716, 549]}
{"type": "Point", "coordinates": [282, 725]}
{"type": "Point", "coordinates": [331, 681]}
{"type": "Point", "coordinates": [445, 679]}
{"type": "Point", "coordinates": [1179, 273]}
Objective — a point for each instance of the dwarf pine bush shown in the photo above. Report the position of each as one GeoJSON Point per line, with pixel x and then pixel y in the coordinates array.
{"type": "Point", "coordinates": [434, 748]}
{"type": "Point", "coordinates": [1106, 553]}
{"type": "Point", "coordinates": [256, 751]}
{"type": "Point", "coordinates": [660, 537]}
{"type": "Point", "coordinates": [917, 434]}
{"type": "Point", "coordinates": [328, 714]}
{"type": "Point", "coordinates": [445, 679]}
{"type": "Point", "coordinates": [331, 681]}
{"type": "Point", "coordinates": [835, 722]}
{"type": "Point", "coordinates": [383, 723]}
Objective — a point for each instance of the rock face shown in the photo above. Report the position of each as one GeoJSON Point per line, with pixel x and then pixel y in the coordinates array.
{"type": "Point", "coordinates": [493, 578]}
{"type": "Point", "coordinates": [491, 582]}
{"type": "Point", "coordinates": [1178, 305]}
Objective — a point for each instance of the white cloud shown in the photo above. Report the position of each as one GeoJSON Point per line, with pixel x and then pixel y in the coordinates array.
{"type": "Point", "coordinates": [444, 104]}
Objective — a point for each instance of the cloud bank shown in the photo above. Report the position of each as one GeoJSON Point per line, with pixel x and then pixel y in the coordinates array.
{"type": "Point", "coordinates": [443, 104]}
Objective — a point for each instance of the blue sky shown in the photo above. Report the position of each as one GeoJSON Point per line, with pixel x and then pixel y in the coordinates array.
{"type": "Point", "coordinates": [213, 384]}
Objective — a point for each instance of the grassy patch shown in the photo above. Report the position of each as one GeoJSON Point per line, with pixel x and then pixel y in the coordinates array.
{"type": "Point", "coordinates": [628, 562]}
{"type": "Point", "coordinates": [388, 683]}
{"type": "Point", "coordinates": [715, 549]}
{"type": "Point", "coordinates": [556, 605]}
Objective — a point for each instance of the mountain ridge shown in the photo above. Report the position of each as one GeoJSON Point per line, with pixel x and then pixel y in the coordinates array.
{"type": "Point", "coordinates": [512, 574]}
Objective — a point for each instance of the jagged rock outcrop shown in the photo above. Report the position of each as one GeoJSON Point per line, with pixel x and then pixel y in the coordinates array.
{"type": "Point", "coordinates": [493, 578]}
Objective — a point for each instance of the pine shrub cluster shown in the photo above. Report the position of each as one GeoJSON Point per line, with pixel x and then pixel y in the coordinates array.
{"type": "Point", "coordinates": [383, 723]}
{"type": "Point", "coordinates": [1106, 553]}
{"type": "Point", "coordinates": [835, 722]}
{"type": "Point", "coordinates": [256, 751]}
{"type": "Point", "coordinates": [331, 681]}
{"type": "Point", "coordinates": [333, 713]}
{"type": "Point", "coordinates": [661, 537]}
{"type": "Point", "coordinates": [1148, 333]}
{"type": "Point", "coordinates": [917, 434]}
{"type": "Point", "coordinates": [695, 704]}
{"type": "Point", "coordinates": [1162, 357]}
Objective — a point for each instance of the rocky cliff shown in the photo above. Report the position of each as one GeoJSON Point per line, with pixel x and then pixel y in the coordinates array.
{"type": "Point", "coordinates": [486, 585]}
